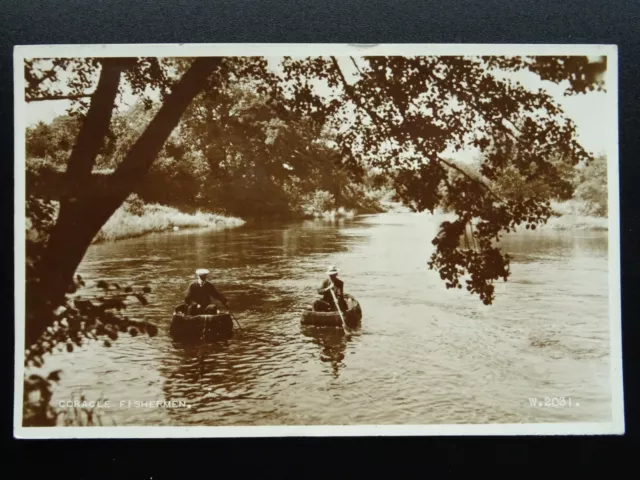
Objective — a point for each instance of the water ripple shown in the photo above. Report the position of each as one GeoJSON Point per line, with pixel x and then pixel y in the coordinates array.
{"type": "Point", "coordinates": [424, 354]}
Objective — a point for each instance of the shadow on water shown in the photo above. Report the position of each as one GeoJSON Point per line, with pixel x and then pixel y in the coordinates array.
{"type": "Point", "coordinates": [333, 344]}
{"type": "Point", "coordinates": [543, 246]}
{"type": "Point", "coordinates": [239, 376]}
{"type": "Point", "coordinates": [227, 377]}
{"type": "Point", "coordinates": [224, 377]}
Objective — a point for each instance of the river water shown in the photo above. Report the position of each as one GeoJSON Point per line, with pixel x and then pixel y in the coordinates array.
{"type": "Point", "coordinates": [424, 354]}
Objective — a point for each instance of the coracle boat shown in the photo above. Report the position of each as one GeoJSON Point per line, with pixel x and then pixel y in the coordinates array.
{"type": "Point", "coordinates": [352, 316]}
{"type": "Point", "coordinates": [199, 327]}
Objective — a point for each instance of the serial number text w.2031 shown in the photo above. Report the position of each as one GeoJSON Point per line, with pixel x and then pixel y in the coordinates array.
{"type": "Point", "coordinates": [553, 402]}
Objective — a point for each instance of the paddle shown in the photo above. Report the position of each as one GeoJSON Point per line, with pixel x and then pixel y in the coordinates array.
{"type": "Point", "coordinates": [335, 299]}
{"type": "Point", "coordinates": [234, 317]}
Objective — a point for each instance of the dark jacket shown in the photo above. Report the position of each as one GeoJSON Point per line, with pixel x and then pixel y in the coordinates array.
{"type": "Point", "coordinates": [338, 290]}
{"type": "Point", "coordinates": [203, 294]}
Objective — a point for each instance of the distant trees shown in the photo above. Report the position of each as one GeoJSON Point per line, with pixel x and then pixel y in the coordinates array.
{"type": "Point", "coordinates": [53, 142]}
{"type": "Point", "coordinates": [230, 153]}
{"type": "Point", "coordinates": [583, 186]}
{"type": "Point", "coordinates": [244, 155]}
{"type": "Point", "coordinates": [39, 140]}
{"type": "Point", "coordinates": [591, 187]}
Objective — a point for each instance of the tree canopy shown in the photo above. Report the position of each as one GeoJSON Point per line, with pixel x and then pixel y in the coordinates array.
{"type": "Point", "coordinates": [398, 115]}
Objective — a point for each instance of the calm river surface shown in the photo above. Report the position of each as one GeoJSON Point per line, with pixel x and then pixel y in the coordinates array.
{"type": "Point", "coordinates": [424, 354]}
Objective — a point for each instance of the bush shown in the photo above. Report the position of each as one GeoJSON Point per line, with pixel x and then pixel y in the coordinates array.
{"type": "Point", "coordinates": [133, 205]}
{"type": "Point", "coordinates": [592, 188]}
{"type": "Point", "coordinates": [317, 203]}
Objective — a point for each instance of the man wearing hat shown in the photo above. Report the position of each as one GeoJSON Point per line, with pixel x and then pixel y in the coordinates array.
{"type": "Point", "coordinates": [200, 295]}
{"type": "Point", "coordinates": [326, 303]}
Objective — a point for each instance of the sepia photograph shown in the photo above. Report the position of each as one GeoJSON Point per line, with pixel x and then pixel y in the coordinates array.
{"type": "Point", "coordinates": [236, 240]}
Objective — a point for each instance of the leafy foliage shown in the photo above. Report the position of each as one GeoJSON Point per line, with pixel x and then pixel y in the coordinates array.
{"type": "Point", "coordinates": [41, 214]}
{"type": "Point", "coordinates": [94, 318]}
{"type": "Point", "coordinates": [582, 74]}
{"type": "Point", "coordinates": [91, 319]}
{"type": "Point", "coordinates": [319, 201]}
{"type": "Point", "coordinates": [134, 205]}
{"type": "Point", "coordinates": [36, 402]}
{"type": "Point", "coordinates": [39, 411]}
{"type": "Point", "coordinates": [232, 153]}
{"type": "Point", "coordinates": [403, 112]}
{"type": "Point", "coordinates": [75, 78]}
{"type": "Point", "coordinates": [591, 187]}
{"type": "Point", "coordinates": [257, 138]}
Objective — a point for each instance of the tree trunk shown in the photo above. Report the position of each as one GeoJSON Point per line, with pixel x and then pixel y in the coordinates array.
{"type": "Point", "coordinates": [89, 204]}
{"type": "Point", "coordinates": [54, 270]}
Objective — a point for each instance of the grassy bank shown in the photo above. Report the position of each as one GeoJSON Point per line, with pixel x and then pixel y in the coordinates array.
{"type": "Point", "coordinates": [128, 222]}
{"type": "Point", "coordinates": [331, 214]}
{"type": "Point", "coordinates": [322, 204]}
{"type": "Point", "coordinates": [390, 206]}
{"type": "Point", "coordinates": [577, 222]}
{"type": "Point", "coordinates": [574, 215]}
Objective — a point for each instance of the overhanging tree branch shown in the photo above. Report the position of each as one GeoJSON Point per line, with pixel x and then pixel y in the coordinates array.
{"type": "Point", "coordinates": [145, 150]}
{"type": "Point", "coordinates": [355, 64]}
{"type": "Point", "coordinates": [472, 102]}
{"type": "Point", "coordinates": [393, 128]}
{"type": "Point", "coordinates": [59, 97]}
{"type": "Point", "coordinates": [82, 216]}
{"type": "Point", "coordinates": [96, 125]}
{"type": "Point", "coordinates": [475, 180]}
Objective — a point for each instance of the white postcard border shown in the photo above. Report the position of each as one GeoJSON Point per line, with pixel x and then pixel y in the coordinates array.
{"type": "Point", "coordinates": [615, 427]}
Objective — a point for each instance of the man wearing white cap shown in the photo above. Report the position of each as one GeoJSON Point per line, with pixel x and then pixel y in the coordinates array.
{"type": "Point", "coordinates": [326, 303]}
{"type": "Point", "coordinates": [200, 295]}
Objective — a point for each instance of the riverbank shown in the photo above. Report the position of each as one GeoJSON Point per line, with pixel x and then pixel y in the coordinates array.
{"type": "Point", "coordinates": [574, 215]}
{"type": "Point", "coordinates": [567, 217]}
{"type": "Point", "coordinates": [331, 214]}
{"type": "Point", "coordinates": [577, 222]}
{"type": "Point", "coordinates": [135, 219]}
{"type": "Point", "coordinates": [151, 218]}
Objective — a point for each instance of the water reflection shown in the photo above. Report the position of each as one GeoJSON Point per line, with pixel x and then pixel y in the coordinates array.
{"type": "Point", "coordinates": [554, 246]}
{"type": "Point", "coordinates": [203, 375]}
{"type": "Point", "coordinates": [332, 343]}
